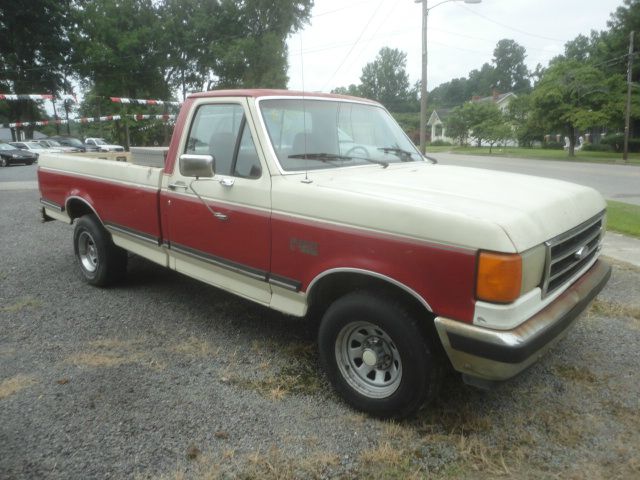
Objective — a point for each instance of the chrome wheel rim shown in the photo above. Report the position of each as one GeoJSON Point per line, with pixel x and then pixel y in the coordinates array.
{"type": "Point", "coordinates": [368, 359]}
{"type": "Point", "coordinates": [87, 252]}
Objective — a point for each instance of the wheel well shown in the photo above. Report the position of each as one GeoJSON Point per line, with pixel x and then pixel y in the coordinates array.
{"type": "Point", "coordinates": [76, 208]}
{"type": "Point", "coordinates": [333, 286]}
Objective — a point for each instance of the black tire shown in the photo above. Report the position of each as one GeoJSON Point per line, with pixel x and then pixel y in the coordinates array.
{"type": "Point", "coordinates": [4, 162]}
{"type": "Point", "coordinates": [407, 372]}
{"type": "Point", "coordinates": [101, 262]}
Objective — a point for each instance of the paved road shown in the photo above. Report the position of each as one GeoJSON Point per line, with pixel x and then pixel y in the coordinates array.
{"type": "Point", "coordinates": [18, 177]}
{"type": "Point", "coordinates": [615, 182]}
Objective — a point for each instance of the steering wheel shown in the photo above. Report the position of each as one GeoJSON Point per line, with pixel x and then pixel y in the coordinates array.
{"type": "Point", "coordinates": [357, 147]}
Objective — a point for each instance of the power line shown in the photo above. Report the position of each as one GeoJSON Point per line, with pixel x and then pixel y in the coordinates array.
{"type": "Point", "coordinates": [354, 45]}
{"type": "Point", "coordinates": [508, 27]}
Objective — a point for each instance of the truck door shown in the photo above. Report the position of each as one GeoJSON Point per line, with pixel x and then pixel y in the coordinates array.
{"type": "Point", "coordinates": [219, 228]}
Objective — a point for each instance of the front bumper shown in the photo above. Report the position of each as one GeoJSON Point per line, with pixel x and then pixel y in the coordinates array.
{"type": "Point", "coordinates": [494, 355]}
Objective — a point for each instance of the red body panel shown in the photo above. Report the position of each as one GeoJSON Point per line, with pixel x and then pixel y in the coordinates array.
{"type": "Point", "coordinates": [125, 205]}
{"type": "Point", "coordinates": [244, 238]}
{"type": "Point", "coordinates": [444, 277]}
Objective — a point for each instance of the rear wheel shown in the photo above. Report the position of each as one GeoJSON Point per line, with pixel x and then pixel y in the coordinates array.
{"type": "Point", "coordinates": [377, 356]}
{"type": "Point", "coordinates": [101, 261]}
{"type": "Point", "coordinates": [3, 162]}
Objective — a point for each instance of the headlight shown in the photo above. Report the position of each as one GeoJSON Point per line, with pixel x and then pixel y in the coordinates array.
{"type": "Point", "coordinates": [13, 155]}
{"type": "Point", "coordinates": [503, 277]}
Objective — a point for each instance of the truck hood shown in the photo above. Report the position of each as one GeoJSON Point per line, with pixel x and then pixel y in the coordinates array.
{"type": "Point", "coordinates": [461, 206]}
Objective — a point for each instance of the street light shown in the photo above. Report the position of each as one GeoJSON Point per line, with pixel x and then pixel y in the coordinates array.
{"type": "Point", "coordinates": [423, 87]}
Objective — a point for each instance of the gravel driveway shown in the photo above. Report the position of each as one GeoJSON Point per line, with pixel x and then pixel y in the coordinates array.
{"type": "Point", "coordinates": [164, 377]}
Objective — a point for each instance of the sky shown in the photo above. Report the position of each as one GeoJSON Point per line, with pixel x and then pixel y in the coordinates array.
{"type": "Point", "coordinates": [344, 35]}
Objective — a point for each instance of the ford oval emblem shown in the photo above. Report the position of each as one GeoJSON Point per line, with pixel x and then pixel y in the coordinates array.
{"type": "Point", "coordinates": [581, 253]}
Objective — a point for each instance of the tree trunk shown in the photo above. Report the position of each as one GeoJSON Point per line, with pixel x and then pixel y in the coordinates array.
{"type": "Point", "coordinates": [572, 142]}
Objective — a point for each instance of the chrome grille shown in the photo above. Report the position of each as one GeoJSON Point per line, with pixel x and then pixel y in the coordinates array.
{"type": "Point", "coordinates": [568, 253]}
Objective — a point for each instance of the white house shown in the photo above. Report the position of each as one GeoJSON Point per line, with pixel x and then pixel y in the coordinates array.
{"type": "Point", "coordinates": [438, 127]}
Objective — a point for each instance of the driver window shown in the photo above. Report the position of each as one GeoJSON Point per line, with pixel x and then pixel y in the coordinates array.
{"type": "Point", "coordinates": [214, 131]}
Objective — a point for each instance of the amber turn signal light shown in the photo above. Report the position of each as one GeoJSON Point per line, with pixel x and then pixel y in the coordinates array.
{"type": "Point", "coordinates": [499, 277]}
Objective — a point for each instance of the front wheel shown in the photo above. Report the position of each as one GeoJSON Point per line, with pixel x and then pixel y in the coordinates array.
{"type": "Point", "coordinates": [4, 162]}
{"type": "Point", "coordinates": [101, 261]}
{"type": "Point", "coordinates": [377, 356]}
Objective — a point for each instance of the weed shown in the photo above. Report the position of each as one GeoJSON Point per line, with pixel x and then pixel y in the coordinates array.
{"type": "Point", "coordinates": [22, 304]}
{"type": "Point", "coordinates": [576, 374]}
{"type": "Point", "coordinates": [14, 384]}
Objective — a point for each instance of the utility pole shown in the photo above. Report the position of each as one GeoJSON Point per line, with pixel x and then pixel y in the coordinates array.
{"type": "Point", "coordinates": [627, 117]}
{"type": "Point", "coordinates": [423, 84]}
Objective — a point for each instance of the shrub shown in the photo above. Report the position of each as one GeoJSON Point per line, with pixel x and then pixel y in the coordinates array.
{"type": "Point", "coordinates": [440, 143]}
{"type": "Point", "coordinates": [553, 145]}
{"type": "Point", "coordinates": [590, 147]}
{"type": "Point", "coordinates": [617, 142]}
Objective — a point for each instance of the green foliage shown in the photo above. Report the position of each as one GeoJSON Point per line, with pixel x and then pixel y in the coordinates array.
{"type": "Point", "coordinates": [34, 51]}
{"type": "Point", "coordinates": [553, 146]}
{"type": "Point", "coordinates": [410, 123]}
{"type": "Point", "coordinates": [574, 96]}
{"type": "Point", "coordinates": [526, 128]}
{"type": "Point", "coordinates": [590, 147]}
{"type": "Point", "coordinates": [440, 143]}
{"type": "Point", "coordinates": [616, 142]}
{"type": "Point", "coordinates": [353, 90]}
{"type": "Point", "coordinates": [482, 120]}
{"type": "Point", "coordinates": [386, 80]}
{"type": "Point", "coordinates": [511, 73]}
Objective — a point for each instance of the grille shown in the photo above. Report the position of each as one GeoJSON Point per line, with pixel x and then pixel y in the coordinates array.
{"type": "Point", "coordinates": [568, 253]}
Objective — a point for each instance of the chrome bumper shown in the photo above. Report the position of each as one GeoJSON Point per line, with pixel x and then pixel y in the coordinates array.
{"type": "Point", "coordinates": [483, 354]}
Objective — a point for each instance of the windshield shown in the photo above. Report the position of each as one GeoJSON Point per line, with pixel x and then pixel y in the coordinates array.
{"type": "Point", "coordinates": [6, 146]}
{"type": "Point", "coordinates": [317, 134]}
{"type": "Point", "coordinates": [99, 141]}
{"type": "Point", "coordinates": [33, 146]}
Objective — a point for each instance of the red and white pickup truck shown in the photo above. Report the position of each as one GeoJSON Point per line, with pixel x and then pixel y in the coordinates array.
{"type": "Point", "coordinates": [316, 204]}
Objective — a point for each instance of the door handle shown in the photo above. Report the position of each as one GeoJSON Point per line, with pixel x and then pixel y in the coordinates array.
{"type": "Point", "coordinates": [227, 182]}
{"type": "Point", "coordinates": [221, 216]}
{"type": "Point", "coordinates": [173, 186]}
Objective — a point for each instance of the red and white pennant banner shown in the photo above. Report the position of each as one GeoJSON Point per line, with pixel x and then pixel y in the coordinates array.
{"type": "Point", "coordinates": [165, 118]}
{"type": "Point", "coordinates": [26, 97]}
{"type": "Point", "coordinates": [106, 118]}
{"type": "Point", "coordinates": [139, 101]}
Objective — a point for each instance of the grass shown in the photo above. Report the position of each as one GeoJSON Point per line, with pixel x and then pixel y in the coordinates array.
{"type": "Point", "coordinates": [22, 304]}
{"type": "Point", "coordinates": [540, 153]}
{"type": "Point", "coordinates": [623, 218]}
{"type": "Point", "coordinates": [14, 384]}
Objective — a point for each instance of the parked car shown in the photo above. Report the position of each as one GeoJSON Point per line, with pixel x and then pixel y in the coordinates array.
{"type": "Point", "coordinates": [103, 145]}
{"type": "Point", "coordinates": [68, 141]}
{"type": "Point", "coordinates": [49, 143]}
{"type": "Point", "coordinates": [10, 155]}
{"type": "Point", "coordinates": [35, 147]}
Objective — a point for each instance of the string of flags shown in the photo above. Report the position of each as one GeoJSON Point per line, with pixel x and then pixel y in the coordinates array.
{"type": "Point", "coordinates": [106, 118]}
{"type": "Point", "coordinates": [73, 98]}
{"type": "Point", "coordinates": [38, 96]}
{"type": "Point", "coordinates": [139, 101]}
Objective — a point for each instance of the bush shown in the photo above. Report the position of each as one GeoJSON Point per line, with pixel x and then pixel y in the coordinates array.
{"type": "Point", "coordinates": [553, 145]}
{"type": "Point", "coordinates": [616, 141]}
{"type": "Point", "coordinates": [590, 147]}
{"type": "Point", "coordinates": [440, 143]}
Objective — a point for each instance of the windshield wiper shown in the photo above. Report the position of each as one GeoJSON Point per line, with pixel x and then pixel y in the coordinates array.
{"type": "Point", "coordinates": [405, 155]}
{"type": "Point", "coordinates": [326, 157]}
{"type": "Point", "coordinates": [323, 157]}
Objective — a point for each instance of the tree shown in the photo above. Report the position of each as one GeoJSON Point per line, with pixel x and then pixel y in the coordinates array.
{"type": "Point", "coordinates": [485, 121]}
{"type": "Point", "coordinates": [386, 80]}
{"type": "Point", "coordinates": [481, 82]}
{"type": "Point", "coordinates": [458, 125]}
{"type": "Point", "coordinates": [353, 90]}
{"type": "Point", "coordinates": [33, 52]}
{"type": "Point", "coordinates": [511, 73]}
{"type": "Point", "coordinates": [572, 96]}
{"type": "Point", "coordinates": [525, 126]}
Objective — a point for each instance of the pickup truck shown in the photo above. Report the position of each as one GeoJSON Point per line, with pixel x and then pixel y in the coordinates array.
{"type": "Point", "coordinates": [319, 205]}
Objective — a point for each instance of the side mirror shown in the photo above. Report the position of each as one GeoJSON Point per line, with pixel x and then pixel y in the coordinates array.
{"type": "Point", "coordinates": [197, 165]}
